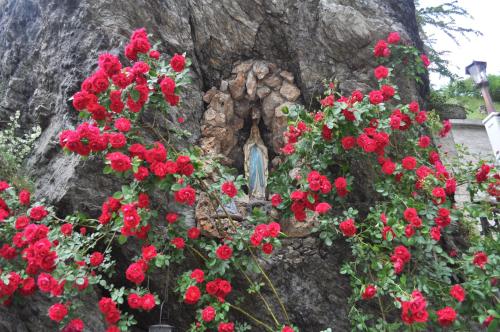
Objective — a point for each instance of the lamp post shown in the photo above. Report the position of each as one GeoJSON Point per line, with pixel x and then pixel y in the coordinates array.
{"type": "Point", "coordinates": [477, 70]}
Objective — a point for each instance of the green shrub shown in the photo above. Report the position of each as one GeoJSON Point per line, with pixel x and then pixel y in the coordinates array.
{"type": "Point", "coordinates": [14, 149]}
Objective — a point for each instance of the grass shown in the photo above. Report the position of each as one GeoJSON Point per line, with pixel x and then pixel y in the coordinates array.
{"type": "Point", "coordinates": [472, 106]}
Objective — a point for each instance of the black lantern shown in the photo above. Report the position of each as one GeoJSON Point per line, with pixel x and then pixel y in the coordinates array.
{"type": "Point", "coordinates": [477, 70]}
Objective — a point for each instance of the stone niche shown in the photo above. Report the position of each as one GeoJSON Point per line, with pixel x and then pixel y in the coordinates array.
{"type": "Point", "coordinates": [255, 87]}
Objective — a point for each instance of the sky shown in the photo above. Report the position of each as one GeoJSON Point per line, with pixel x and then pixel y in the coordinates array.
{"type": "Point", "coordinates": [485, 18]}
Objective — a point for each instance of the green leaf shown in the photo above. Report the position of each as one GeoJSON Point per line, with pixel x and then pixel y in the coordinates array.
{"type": "Point", "coordinates": [122, 239]}
{"type": "Point", "coordinates": [134, 94]}
{"type": "Point", "coordinates": [107, 170]}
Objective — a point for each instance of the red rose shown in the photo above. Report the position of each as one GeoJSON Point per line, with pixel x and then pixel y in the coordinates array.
{"type": "Point", "coordinates": [415, 309]}
{"type": "Point", "coordinates": [393, 38]}
{"type": "Point", "coordinates": [178, 242]}
{"type": "Point", "coordinates": [37, 213]}
{"type": "Point", "coordinates": [435, 233]}
{"type": "Point", "coordinates": [369, 292]}
{"type": "Point", "coordinates": [276, 200]}
{"type": "Point", "coordinates": [22, 222]}
{"type": "Point", "coordinates": [149, 252]}
{"type": "Point", "coordinates": [178, 62]}
{"type": "Point", "coordinates": [328, 100]}
{"type": "Point", "coordinates": [185, 195]}
{"type": "Point", "coordinates": [154, 54]}
{"type": "Point", "coordinates": [192, 295]}
{"type": "Point", "coordinates": [424, 141]}
{"type": "Point", "coordinates": [288, 149]}
{"type": "Point", "coordinates": [439, 194]}
{"type": "Point", "coordinates": [4, 185]}
{"type": "Point", "coordinates": [122, 124]}
{"type": "Point", "coordinates": [75, 325]}
{"type": "Point", "coordinates": [402, 253]}
{"type": "Point", "coordinates": [451, 186]}
{"type": "Point", "coordinates": [326, 132]}
{"type": "Point", "coordinates": [193, 233]}
{"type": "Point", "coordinates": [387, 91]}
{"type": "Point", "coordinates": [224, 252]}
{"type": "Point", "coordinates": [348, 227]}
{"type": "Point", "coordinates": [57, 312]}
{"type": "Point", "coordinates": [24, 197]}
{"type": "Point", "coordinates": [425, 60]}
{"type": "Point", "coordinates": [229, 189]}
{"type": "Point", "coordinates": [82, 98]}
{"type": "Point", "coordinates": [323, 208]}
{"type": "Point", "coordinates": [409, 231]}
{"type": "Point", "coordinates": [457, 292]}
{"type": "Point", "coordinates": [226, 327]}
{"type": "Point", "coordinates": [267, 248]}
{"type": "Point", "coordinates": [109, 63]}
{"type": "Point", "coordinates": [117, 140]}
{"type": "Point", "coordinates": [143, 201]}
{"type": "Point", "coordinates": [119, 161]}
{"type": "Point", "coordinates": [376, 97]}
{"type": "Point", "coordinates": [287, 329]}
{"type": "Point", "coordinates": [348, 142]}
{"type": "Point", "coordinates": [44, 282]}
{"type": "Point", "coordinates": [171, 217]}
{"type": "Point", "coordinates": [388, 167]}
{"type": "Point", "coordinates": [208, 314]}
{"type": "Point", "coordinates": [167, 86]}
{"type": "Point", "coordinates": [198, 275]}
{"type": "Point", "coordinates": [134, 301]}
{"type": "Point", "coordinates": [141, 174]}
{"type": "Point", "coordinates": [96, 258]}
{"type": "Point", "coordinates": [135, 273]}
{"type": "Point", "coordinates": [480, 259]}
{"type": "Point", "coordinates": [409, 163]}
{"type": "Point", "coordinates": [148, 301]}
{"type": "Point", "coordinates": [273, 229]}
{"type": "Point", "coordinates": [67, 229]}
{"type": "Point", "coordinates": [140, 67]}
{"type": "Point", "coordinates": [381, 50]}
{"type": "Point", "coordinates": [487, 321]}
{"type": "Point", "coordinates": [381, 72]}
{"type": "Point", "coordinates": [446, 316]}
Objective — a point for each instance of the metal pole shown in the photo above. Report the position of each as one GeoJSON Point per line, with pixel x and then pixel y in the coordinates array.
{"type": "Point", "coordinates": [485, 91]}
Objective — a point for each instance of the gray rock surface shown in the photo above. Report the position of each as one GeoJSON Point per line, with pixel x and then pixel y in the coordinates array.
{"type": "Point", "coordinates": [49, 46]}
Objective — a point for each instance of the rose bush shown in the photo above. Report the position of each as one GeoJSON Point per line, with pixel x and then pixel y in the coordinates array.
{"type": "Point", "coordinates": [402, 259]}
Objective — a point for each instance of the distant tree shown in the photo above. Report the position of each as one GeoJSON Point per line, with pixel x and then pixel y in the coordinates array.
{"type": "Point", "coordinates": [443, 17]}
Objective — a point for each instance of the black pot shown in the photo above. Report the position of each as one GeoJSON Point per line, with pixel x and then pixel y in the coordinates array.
{"type": "Point", "coordinates": [161, 328]}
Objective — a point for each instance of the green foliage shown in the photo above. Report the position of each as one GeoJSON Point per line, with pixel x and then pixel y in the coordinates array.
{"type": "Point", "coordinates": [465, 93]}
{"type": "Point", "coordinates": [443, 17]}
{"type": "Point", "coordinates": [384, 228]}
{"type": "Point", "coordinates": [14, 149]}
{"type": "Point", "coordinates": [494, 81]}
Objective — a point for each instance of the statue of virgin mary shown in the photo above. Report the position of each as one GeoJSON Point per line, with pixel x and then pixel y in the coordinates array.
{"type": "Point", "coordinates": [256, 160]}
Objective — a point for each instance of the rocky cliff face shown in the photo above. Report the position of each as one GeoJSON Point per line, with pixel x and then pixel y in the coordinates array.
{"type": "Point", "coordinates": [49, 46]}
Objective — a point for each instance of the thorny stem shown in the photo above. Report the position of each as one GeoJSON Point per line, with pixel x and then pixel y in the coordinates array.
{"type": "Point", "coordinates": [196, 251]}
{"type": "Point", "coordinates": [267, 327]}
{"type": "Point", "coordinates": [110, 241]}
{"type": "Point", "coordinates": [250, 281]}
{"type": "Point", "coordinates": [378, 297]}
{"type": "Point", "coordinates": [270, 285]}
